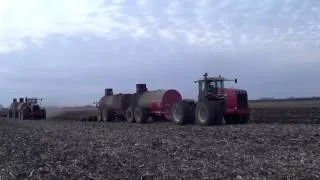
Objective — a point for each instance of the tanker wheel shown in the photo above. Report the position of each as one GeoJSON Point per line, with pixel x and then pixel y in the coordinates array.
{"type": "Point", "coordinates": [181, 113]}
{"type": "Point", "coordinates": [130, 114]}
{"type": "Point", "coordinates": [207, 113]}
{"type": "Point", "coordinates": [107, 115]}
{"type": "Point", "coordinates": [141, 114]}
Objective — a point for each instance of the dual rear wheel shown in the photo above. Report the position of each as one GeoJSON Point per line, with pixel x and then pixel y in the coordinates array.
{"type": "Point", "coordinates": [105, 115]}
{"type": "Point", "coordinates": [132, 114]}
{"type": "Point", "coordinates": [137, 114]}
{"type": "Point", "coordinates": [203, 113]}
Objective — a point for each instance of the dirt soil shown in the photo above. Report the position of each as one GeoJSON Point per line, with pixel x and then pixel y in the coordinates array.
{"type": "Point", "coordinates": [306, 115]}
{"type": "Point", "coordinates": [56, 149]}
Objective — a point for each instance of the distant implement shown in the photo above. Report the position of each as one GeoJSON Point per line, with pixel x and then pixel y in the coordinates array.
{"type": "Point", "coordinates": [27, 108]}
{"type": "Point", "coordinates": [4, 112]}
{"type": "Point", "coordinates": [215, 105]}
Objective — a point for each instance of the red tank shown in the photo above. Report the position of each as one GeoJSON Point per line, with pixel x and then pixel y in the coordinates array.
{"type": "Point", "coordinates": [160, 102]}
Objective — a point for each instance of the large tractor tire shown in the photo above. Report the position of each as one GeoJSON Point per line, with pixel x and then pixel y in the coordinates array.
{"type": "Point", "coordinates": [141, 114]}
{"type": "Point", "coordinates": [130, 114]}
{"type": "Point", "coordinates": [182, 113]}
{"type": "Point", "coordinates": [207, 113]}
{"type": "Point", "coordinates": [107, 115]}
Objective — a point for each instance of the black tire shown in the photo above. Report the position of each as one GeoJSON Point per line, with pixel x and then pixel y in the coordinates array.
{"type": "Point", "coordinates": [141, 114]}
{"type": "Point", "coordinates": [243, 119]}
{"type": "Point", "coordinates": [130, 114]}
{"type": "Point", "coordinates": [219, 113]}
{"type": "Point", "coordinates": [107, 115]}
{"type": "Point", "coordinates": [207, 113]}
{"type": "Point", "coordinates": [181, 113]}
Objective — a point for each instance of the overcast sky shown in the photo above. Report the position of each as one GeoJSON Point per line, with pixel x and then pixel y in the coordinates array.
{"type": "Point", "coordinates": [68, 51]}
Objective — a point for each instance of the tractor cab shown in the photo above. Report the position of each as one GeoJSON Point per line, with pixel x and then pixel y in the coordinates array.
{"type": "Point", "coordinates": [212, 88]}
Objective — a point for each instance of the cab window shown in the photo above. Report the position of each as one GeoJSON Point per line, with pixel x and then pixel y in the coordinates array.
{"type": "Point", "coordinates": [216, 84]}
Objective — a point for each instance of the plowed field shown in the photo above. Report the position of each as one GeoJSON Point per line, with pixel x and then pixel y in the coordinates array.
{"type": "Point", "coordinates": [278, 143]}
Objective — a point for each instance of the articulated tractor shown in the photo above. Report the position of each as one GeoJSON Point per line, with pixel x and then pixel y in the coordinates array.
{"type": "Point", "coordinates": [215, 104]}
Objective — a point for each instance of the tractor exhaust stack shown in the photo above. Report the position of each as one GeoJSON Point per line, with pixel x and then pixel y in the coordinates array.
{"type": "Point", "coordinates": [108, 92]}
{"type": "Point", "coordinates": [141, 88]}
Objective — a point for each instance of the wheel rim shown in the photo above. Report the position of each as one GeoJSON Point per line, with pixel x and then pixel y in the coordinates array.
{"type": "Point", "coordinates": [177, 114]}
{"type": "Point", "coordinates": [202, 115]}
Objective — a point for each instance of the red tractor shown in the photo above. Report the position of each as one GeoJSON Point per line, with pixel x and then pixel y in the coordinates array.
{"type": "Point", "coordinates": [215, 104]}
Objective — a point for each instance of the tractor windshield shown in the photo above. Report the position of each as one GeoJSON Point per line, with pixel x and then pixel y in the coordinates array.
{"type": "Point", "coordinates": [216, 84]}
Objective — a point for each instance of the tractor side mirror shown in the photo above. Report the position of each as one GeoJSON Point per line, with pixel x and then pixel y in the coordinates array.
{"type": "Point", "coordinates": [236, 80]}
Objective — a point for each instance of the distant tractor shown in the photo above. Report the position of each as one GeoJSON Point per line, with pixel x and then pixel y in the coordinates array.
{"type": "Point", "coordinates": [27, 108]}
{"type": "Point", "coordinates": [215, 104]}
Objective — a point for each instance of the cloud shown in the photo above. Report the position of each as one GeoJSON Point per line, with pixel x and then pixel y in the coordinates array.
{"type": "Point", "coordinates": [84, 46]}
{"type": "Point", "coordinates": [205, 23]}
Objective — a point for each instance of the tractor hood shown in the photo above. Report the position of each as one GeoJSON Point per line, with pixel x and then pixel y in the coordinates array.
{"type": "Point", "coordinates": [235, 98]}
{"type": "Point", "coordinates": [231, 90]}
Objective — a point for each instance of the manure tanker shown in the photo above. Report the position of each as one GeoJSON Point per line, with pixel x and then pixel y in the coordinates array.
{"type": "Point", "coordinates": [139, 106]}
